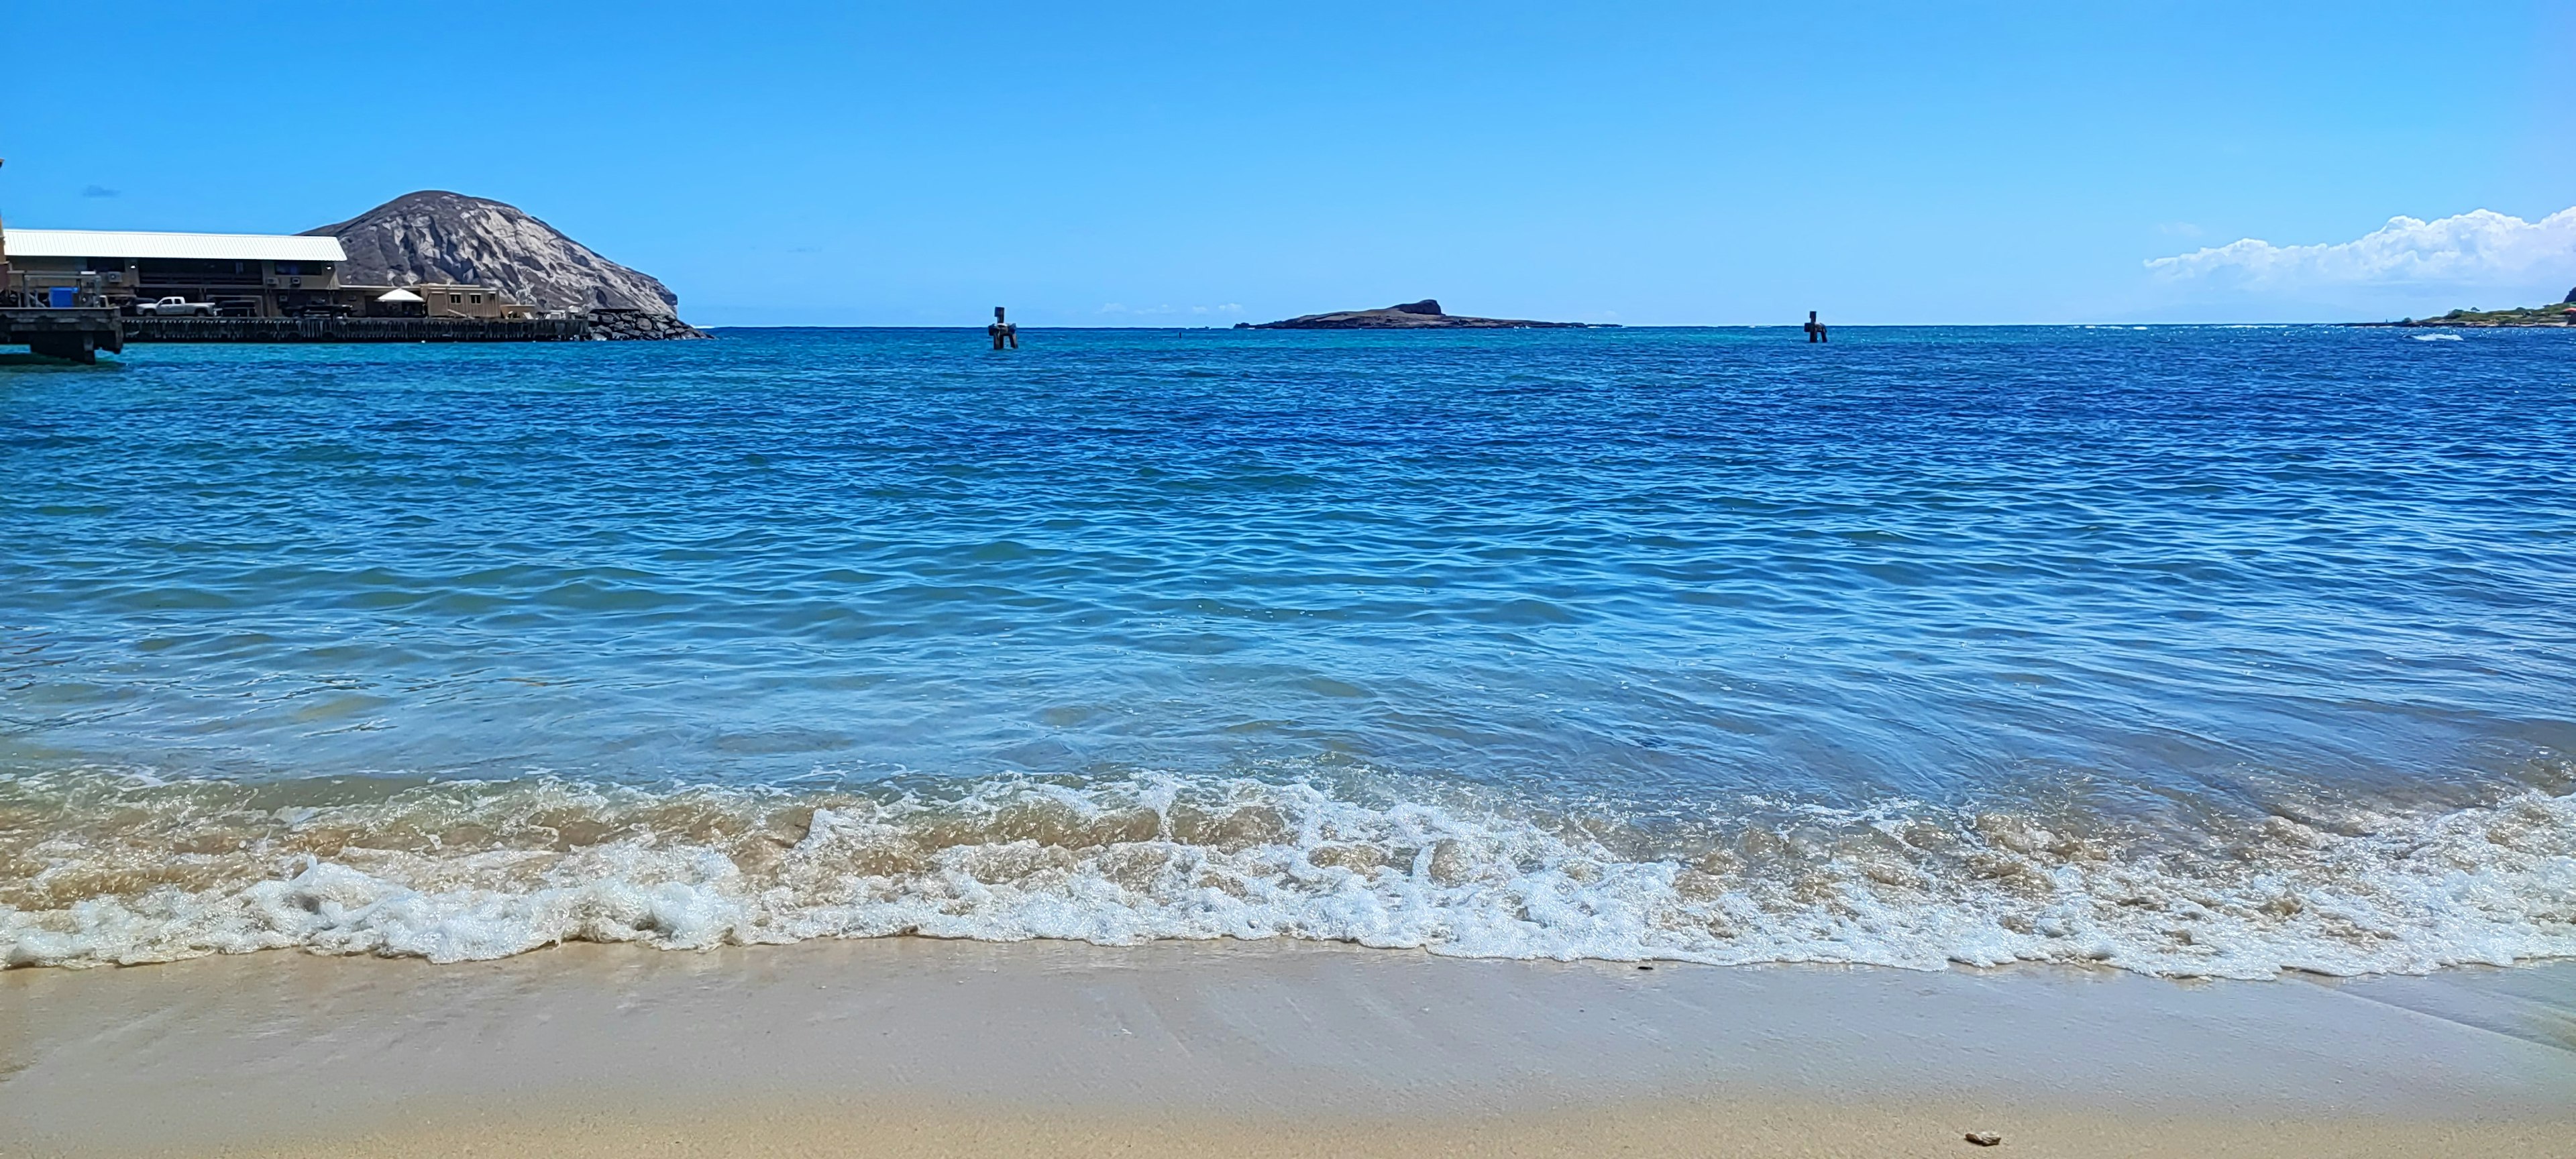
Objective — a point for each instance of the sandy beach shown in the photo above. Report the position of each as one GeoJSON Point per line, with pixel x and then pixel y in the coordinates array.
{"type": "Point", "coordinates": [919, 1047]}
{"type": "Point", "coordinates": [1146, 581]}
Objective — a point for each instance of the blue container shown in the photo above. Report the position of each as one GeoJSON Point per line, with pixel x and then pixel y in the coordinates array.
{"type": "Point", "coordinates": [62, 296]}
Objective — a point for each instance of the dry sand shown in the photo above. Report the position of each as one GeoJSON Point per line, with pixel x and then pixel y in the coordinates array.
{"type": "Point", "coordinates": [913, 1047]}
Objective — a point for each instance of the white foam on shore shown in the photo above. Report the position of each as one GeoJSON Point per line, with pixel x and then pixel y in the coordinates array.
{"type": "Point", "coordinates": [461, 872]}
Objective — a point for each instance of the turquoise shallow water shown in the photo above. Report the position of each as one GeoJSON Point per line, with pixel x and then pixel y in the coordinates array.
{"type": "Point", "coordinates": [2191, 650]}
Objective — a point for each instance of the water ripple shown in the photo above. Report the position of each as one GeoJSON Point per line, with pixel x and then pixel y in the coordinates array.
{"type": "Point", "coordinates": [2176, 582]}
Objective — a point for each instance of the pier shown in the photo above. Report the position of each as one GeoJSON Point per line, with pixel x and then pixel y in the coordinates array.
{"type": "Point", "coordinates": [357, 329]}
{"type": "Point", "coordinates": [78, 334]}
{"type": "Point", "coordinates": [75, 333]}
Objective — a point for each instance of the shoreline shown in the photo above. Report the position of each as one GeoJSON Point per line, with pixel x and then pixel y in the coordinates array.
{"type": "Point", "coordinates": [909, 1046]}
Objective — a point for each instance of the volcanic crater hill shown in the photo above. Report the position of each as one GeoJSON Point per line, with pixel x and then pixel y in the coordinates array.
{"type": "Point", "coordinates": [437, 236]}
{"type": "Point", "coordinates": [1422, 315]}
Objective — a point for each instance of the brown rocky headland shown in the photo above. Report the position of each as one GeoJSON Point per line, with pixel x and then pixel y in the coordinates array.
{"type": "Point", "coordinates": [437, 236]}
{"type": "Point", "coordinates": [1422, 315]}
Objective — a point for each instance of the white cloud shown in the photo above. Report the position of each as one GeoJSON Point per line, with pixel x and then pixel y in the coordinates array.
{"type": "Point", "coordinates": [2473, 249]}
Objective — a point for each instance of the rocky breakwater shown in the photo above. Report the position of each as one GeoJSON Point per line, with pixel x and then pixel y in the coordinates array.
{"type": "Point", "coordinates": [639, 326]}
{"type": "Point", "coordinates": [441, 237]}
{"type": "Point", "coordinates": [1423, 315]}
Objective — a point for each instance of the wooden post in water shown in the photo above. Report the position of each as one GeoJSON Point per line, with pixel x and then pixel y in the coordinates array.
{"type": "Point", "coordinates": [1001, 331]}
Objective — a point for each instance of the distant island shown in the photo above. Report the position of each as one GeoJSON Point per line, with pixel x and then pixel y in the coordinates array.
{"type": "Point", "coordinates": [2561, 314]}
{"type": "Point", "coordinates": [1422, 315]}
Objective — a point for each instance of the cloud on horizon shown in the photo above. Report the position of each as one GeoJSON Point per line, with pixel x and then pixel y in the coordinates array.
{"type": "Point", "coordinates": [2475, 249]}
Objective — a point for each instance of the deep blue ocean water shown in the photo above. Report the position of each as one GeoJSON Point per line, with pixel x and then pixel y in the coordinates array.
{"type": "Point", "coordinates": [2189, 650]}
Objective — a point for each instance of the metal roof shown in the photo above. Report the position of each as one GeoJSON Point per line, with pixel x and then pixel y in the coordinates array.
{"type": "Point", "coordinates": [234, 247]}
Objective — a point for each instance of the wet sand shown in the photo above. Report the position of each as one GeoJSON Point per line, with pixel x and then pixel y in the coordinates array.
{"type": "Point", "coordinates": [917, 1047]}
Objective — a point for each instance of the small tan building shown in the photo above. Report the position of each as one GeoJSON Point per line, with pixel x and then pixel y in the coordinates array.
{"type": "Point", "coordinates": [459, 301]}
{"type": "Point", "coordinates": [429, 300]}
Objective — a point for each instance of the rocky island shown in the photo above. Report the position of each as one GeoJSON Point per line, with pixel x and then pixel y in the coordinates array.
{"type": "Point", "coordinates": [2561, 314]}
{"type": "Point", "coordinates": [437, 236]}
{"type": "Point", "coordinates": [1422, 315]}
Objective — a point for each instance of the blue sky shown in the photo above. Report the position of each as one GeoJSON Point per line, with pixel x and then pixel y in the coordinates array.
{"type": "Point", "coordinates": [1209, 163]}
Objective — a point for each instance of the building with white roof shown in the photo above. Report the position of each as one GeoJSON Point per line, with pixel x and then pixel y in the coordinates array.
{"type": "Point", "coordinates": [259, 275]}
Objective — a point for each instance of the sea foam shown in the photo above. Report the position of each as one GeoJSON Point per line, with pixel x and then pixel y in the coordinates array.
{"type": "Point", "coordinates": [458, 872]}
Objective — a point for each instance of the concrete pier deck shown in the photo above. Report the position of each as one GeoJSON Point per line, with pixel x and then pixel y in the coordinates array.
{"type": "Point", "coordinates": [77, 334]}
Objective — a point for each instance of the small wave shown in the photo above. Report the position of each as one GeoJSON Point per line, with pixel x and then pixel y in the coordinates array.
{"type": "Point", "coordinates": [123, 871]}
{"type": "Point", "coordinates": [2436, 337]}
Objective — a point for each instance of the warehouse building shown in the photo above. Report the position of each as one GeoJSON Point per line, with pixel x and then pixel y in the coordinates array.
{"type": "Point", "coordinates": [258, 275]}
{"type": "Point", "coordinates": [241, 274]}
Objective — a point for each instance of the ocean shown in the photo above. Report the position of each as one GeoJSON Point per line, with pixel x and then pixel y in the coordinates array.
{"type": "Point", "coordinates": [2186, 651]}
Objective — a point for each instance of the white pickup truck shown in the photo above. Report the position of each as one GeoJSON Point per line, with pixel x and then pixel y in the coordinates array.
{"type": "Point", "coordinates": [168, 306]}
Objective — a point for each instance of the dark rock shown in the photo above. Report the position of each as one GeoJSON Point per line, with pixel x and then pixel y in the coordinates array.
{"type": "Point", "coordinates": [1985, 1138]}
{"type": "Point", "coordinates": [436, 236]}
{"type": "Point", "coordinates": [639, 326]}
{"type": "Point", "coordinates": [2569, 300]}
{"type": "Point", "coordinates": [1429, 306]}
